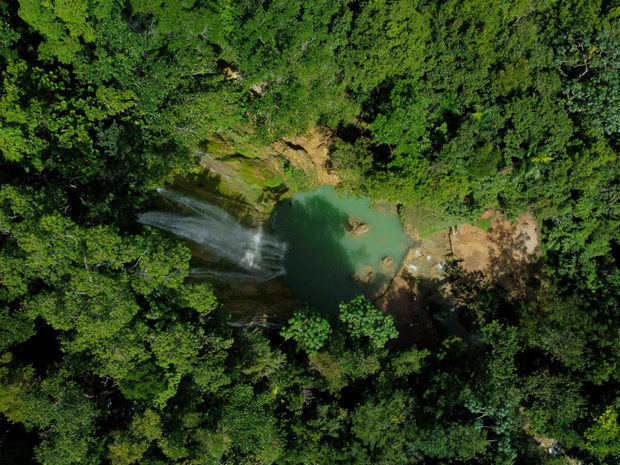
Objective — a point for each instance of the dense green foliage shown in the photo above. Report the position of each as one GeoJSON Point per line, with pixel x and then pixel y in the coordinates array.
{"type": "Point", "coordinates": [362, 320]}
{"type": "Point", "coordinates": [110, 355]}
{"type": "Point", "coordinates": [308, 328]}
{"type": "Point", "coordinates": [359, 319]}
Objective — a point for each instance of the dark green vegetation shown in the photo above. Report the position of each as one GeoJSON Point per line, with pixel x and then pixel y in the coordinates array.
{"type": "Point", "coordinates": [109, 355]}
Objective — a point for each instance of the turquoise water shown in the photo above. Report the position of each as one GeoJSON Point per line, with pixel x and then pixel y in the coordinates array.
{"type": "Point", "coordinates": [322, 257]}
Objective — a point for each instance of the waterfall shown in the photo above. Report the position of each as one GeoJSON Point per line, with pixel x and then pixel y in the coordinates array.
{"type": "Point", "coordinates": [259, 255]}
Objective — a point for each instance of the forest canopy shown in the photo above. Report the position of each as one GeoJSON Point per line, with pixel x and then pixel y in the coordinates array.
{"type": "Point", "coordinates": [111, 354]}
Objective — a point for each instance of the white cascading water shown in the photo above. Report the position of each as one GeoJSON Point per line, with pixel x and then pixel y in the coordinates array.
{"type": "Point", "coordinates": [259, 255]}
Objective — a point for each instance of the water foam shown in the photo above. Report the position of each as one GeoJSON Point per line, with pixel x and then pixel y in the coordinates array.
{"type": "Point", "coordinates": [258, 254]}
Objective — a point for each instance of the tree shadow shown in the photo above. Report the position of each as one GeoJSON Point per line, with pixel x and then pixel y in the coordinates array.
{"type": "Point", "coordinates": [407, 299]}
{"type": "Point", "coordinates": [42, 349]}
{"type": "Point", "coordinates": [512, 269]}
{"type": "Point", "coordinates": [17, 443]}
{"type": "Point", "coordinates": [511, 265]}
{"type": "Point", "coordinates": [512, 276]}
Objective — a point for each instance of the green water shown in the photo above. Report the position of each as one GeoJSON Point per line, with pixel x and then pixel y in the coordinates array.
{"type": "Point", "coordinates": [322, 256]}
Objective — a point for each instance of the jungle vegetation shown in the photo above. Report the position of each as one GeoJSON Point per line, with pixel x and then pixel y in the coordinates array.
{"type": "Point", "coordinates": [109, 355]}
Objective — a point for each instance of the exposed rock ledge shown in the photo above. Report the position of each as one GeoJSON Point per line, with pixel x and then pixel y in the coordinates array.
{"type": "Point", "coordinates": [311, 153]}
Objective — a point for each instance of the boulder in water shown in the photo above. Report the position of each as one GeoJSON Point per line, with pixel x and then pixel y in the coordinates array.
{"type": "Point", "coordinates": [365, 275]}
{"type": "Point", "coordinates": [387, 261]}
{"type": "Point", "coordinates": [356, 227]}
{"type": "Point", "coordinates": [370, 277]}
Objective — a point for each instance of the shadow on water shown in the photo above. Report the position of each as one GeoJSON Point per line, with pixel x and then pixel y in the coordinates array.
{"type": "Point", "coordinates": [318, 266]}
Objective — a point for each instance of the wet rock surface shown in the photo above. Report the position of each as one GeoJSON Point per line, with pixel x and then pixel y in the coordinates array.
{"type": "Point", "coordinates": [366, 275]}
{"type": "Point", "coordinates": [356, 227]}
{"type": "Point", "coordinates": [370, 276]}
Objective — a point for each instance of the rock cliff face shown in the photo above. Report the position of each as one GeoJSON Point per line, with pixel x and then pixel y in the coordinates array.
{"type": "Point", "coordinates": [248, 170]}
{"type": "Point", "coordinates": [310, 152]}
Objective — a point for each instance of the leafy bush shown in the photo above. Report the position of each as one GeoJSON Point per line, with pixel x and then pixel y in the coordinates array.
{"type": "Point", "coordinates": [308, 328]}
{"type": "Point", "coordinates": [362, 319]}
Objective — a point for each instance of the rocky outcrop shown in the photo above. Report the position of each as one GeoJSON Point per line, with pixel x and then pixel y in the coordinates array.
{"type": "Point", "coordinates": [370, 277]}
{"type": "Point", "coordinates": [356, 227]}
{"type": "Point", "coordinates": [311, 153]}
{"type": "Point", "coordinates": [366, 275]}
{"type": "Point", "coordinates": [259, 88]}
{"type": "Point", "coordinates": [230, 72]}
